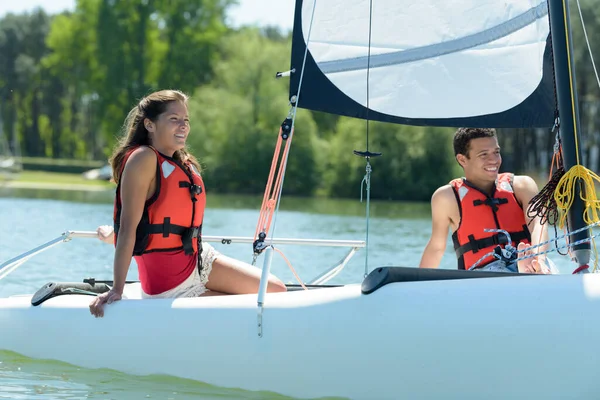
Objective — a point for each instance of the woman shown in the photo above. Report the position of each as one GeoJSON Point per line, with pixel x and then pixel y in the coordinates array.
{"type": "Point", "coordinates": [159, 208]}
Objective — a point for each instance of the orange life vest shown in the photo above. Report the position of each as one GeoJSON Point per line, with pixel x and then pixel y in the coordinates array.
{"type": "Point", "coordinates": [479, 211]}
{"type": "Point", "coordinates": [172, 217]}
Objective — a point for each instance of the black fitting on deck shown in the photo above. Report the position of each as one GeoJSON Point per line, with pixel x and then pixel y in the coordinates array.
{"type": "Point", "coordinates": [259, 244]}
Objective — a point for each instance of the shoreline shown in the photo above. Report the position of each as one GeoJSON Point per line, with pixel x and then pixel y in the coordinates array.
{"type": "Point", "coordinates": [54, 186]}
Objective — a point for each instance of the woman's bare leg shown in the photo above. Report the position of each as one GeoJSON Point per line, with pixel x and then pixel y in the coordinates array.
{"type": "Point", "coordinates": [211, 293]}
{"type": "Point", "coordinates": [231, 276]}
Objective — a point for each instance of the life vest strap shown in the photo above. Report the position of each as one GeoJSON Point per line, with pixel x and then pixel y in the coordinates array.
{"type": "Point", "coordinates": [193, 188]}
{"type": "Point", "coordinates": [475, 245]}
{"type": "Point", "coordinates": [166, 228]}
{"type": "Point", "coordinates": [493, 202]}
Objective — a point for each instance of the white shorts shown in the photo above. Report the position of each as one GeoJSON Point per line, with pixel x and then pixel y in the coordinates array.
{"type": "Point", "coordinates": [195, 284]}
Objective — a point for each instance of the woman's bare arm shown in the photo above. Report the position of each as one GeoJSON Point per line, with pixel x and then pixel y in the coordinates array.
{"type": "Point", "coordinates": [136, 179]}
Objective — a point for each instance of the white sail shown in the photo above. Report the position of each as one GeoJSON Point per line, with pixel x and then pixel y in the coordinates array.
{"type": "Point", "coordinates": [429, 59]}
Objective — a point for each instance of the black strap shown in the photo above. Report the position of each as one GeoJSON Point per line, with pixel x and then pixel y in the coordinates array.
{"type": "Point", "coordinates": [200, 249]}
{"type": "Point", "coordinates": [188, 236]}
{"type": "Point", "coordinates": [166, 228]}
{"type": "Point", "coordinates": [493, 202]}
{"type": "Point", "coordinates": [475, 245]}
{"type": "Point", "coordinates": [194, 189]}
{"type": "Point", "coordinates": [521, 235]}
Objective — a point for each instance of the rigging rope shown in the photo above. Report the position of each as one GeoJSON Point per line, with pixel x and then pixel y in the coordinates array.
{"type": "Point", "coordinates": [367, 154]}
{"type": "Point", "coordinates": [272, 195]}
{"type": "Point", "coordinates": [273, 188]}
{"type": "Point", "coordinates": [530, 249]}
{"type": "Point", "coordinates": [588, 43]}
{"type": "Point", "coordinates": [552, 203]}
{"type": "Point", "coordinates": [367, 178]}
{"type": "Point", "coordinates": [291, 268]}
{"type": "Point", "coordinates": [543, 205]}
{"type": "Point", "coordinates": [590, 208]}
{"type": "Point", "coordinates": [369, 69]}
{"type": "Point", "coordinates": [563, 191]}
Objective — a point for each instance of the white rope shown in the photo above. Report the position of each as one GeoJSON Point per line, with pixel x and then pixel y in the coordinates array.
{"type": "Point", "coordinates": [512, 250]}
{"type": "Point", "coordinates": [588, 43]}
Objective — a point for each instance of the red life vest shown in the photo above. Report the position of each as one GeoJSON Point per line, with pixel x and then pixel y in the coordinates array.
{"type": "Point", "coordinates": [172, 217]}
{"type": "Point", "coordinates": [479, 211]}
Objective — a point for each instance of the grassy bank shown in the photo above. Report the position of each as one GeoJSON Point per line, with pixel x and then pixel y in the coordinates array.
{"type": "Point", "coordinates": [59, 179]}
{"type": "Point", "coordinates": [62, 180]}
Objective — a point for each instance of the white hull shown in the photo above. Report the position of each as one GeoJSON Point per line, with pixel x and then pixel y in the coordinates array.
{"type": "Point", "coordinates": [496, 338]}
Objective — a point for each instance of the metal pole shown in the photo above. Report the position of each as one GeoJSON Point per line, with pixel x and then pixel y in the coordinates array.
{"type": "Point", "coordinates": [15, 262]}
{"type": "Point", "coordinates": [566, 91]}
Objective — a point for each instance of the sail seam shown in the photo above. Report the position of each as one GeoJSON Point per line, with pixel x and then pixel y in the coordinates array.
{"type": "Point", "coordinates": [439, 49]}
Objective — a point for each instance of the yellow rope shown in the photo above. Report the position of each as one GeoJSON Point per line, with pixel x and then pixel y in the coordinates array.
{"type": "Point", "coordinates": [565, 190]}
{"type": "Point", "coordinates": [565, 195]}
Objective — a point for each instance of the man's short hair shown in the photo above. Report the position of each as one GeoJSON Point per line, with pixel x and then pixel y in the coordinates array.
{"type": "Point", "coordinates": [463, 137]}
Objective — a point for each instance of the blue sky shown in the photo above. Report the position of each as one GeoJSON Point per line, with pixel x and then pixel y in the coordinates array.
{"type": "Point", "coordinates": [248, 12]}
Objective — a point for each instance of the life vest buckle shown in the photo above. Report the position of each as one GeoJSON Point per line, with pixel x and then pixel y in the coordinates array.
{"type": "Point", "coordinates": [192, 187]}
{"type": "Point", "coordinates": [195, 189]}
{"type": "Point", "coordinates": [507, 254]}
{"type": "Point", "coordinates": [194, 232]}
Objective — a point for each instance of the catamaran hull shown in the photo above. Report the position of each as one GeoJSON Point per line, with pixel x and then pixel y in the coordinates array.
{"type": "Point", "coordinates": [493, 338]}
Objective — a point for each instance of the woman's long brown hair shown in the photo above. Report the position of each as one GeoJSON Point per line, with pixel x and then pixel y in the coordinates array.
{"type": "Point", "coordinates": [135, 133]}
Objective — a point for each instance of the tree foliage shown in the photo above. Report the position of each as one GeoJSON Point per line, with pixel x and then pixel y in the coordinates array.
{"type": "Point", "coordinates": [67, 81]}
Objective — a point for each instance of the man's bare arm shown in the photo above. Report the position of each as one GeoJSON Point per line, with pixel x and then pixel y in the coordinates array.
{"type": "Point", "coordinates": [525, 190]}
{"type": "Point", "coordinates": [441, 203]}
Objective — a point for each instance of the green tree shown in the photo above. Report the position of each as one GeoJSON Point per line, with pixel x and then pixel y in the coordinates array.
{"type": "Point", "coordinates": [11, 38]}
{"type": "Point", "coordinates": [22, 45]}
{"type": "Point", "coordinates": [72, 77]}
{"type": "Point", "coordinates": [414, 161]}
{"type": "Point", "coordinates": [237, 117]}
{"type": "Point", "coordinates": [192, 32]}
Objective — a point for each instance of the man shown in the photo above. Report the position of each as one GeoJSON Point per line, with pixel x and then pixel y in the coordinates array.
{"type": "Point", "coordinates": [483, 199]}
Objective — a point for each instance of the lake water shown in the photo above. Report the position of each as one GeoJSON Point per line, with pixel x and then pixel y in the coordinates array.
{"type": "Point", "coordinates": [30, 217]}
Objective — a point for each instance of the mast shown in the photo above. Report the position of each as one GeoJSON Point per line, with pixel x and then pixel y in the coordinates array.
{"type": "Point", "coordinates": [568, 107]}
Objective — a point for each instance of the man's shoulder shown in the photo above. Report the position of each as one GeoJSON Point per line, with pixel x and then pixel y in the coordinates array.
{"type": "Point", "coordinates": [524, 182]}
{"type": "Point", "coordinates": [443, 194]}
{"type": "Point", "coordinates": [525, 188]}
{"type": "Point", "coordinates": [444, 204]}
